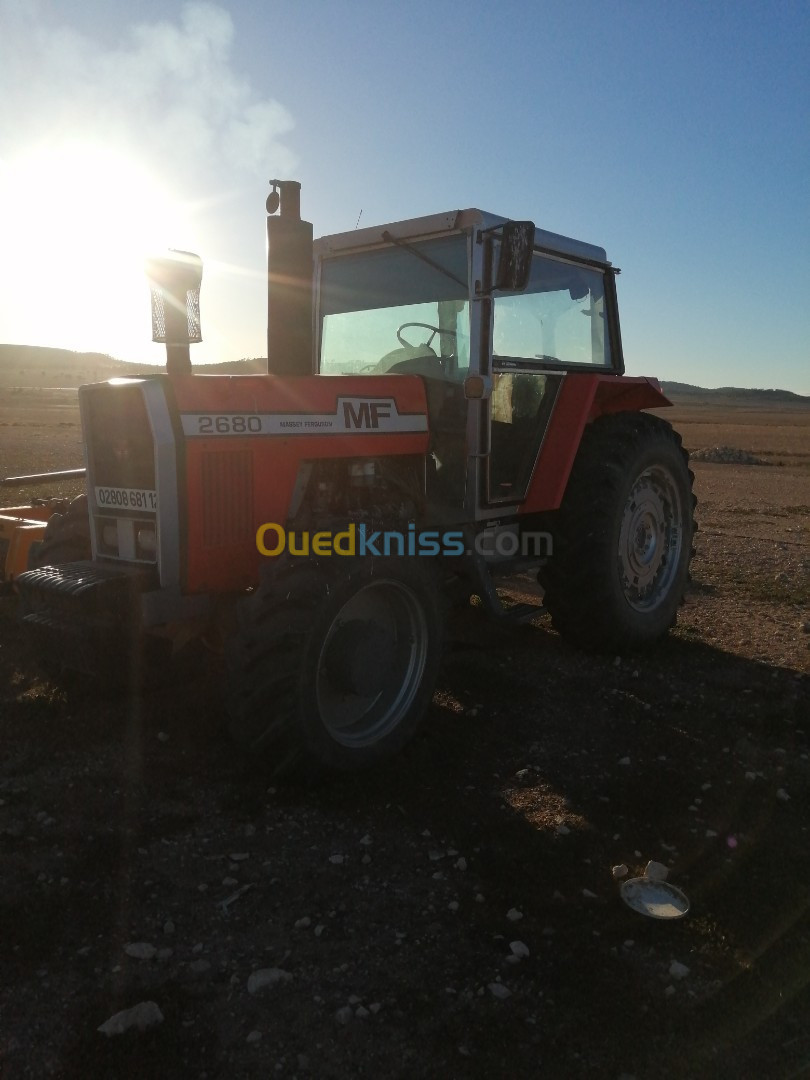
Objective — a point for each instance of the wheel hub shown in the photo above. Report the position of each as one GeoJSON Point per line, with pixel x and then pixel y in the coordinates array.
{"type": "Point", "coordinates": [650, 538]}
{"type": "Point", "coordinates": [371, 664]}
{"type": "Point", "coordinates": [358, 657]}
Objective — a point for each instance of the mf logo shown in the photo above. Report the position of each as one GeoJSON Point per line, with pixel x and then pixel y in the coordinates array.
{"type": "Point", "coordinates": [365, 414]}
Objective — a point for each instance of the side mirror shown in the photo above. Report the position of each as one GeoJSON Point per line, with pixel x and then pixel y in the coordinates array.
{"type": "Point", "coordinates": [515, 260]}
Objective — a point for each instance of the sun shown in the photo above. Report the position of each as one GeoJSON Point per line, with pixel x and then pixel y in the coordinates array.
{"type": "Point", "coordinates": [77, 221]}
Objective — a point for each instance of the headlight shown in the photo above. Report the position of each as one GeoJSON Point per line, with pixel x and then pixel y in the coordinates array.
{"type": "Point", "coordinates": [147, 540]}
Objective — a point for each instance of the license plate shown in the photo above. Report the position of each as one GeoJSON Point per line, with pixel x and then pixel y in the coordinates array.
{"type": "Point", "coordinates": [118, 498]}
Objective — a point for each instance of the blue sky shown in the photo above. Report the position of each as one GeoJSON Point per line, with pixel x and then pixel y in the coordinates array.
{"type": "Point", "coordinates": [675, 135]}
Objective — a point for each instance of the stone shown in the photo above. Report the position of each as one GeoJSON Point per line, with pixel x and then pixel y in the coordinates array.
{"type": "Point", "coordinates": [140, 950]}
{"type": "Point", "coordinates": [265, 977]}
{"type": "Point", "coordinates": [499, 991]}
{"type": "Point", "coordinates": [678, 970]}
{"type": "Point", "coordinates": [344, 1015]}
{"type": "Point", "coordinates": [254, 1037]}
{"type": "Point", "coordinates": [145, 1014]}
{"type": "Point", "coordinates": [656, 871]}
{"type": "Point", "coordinates": [519, 949]}
{"type": "Point", "coordinates": [513, 915]}
{"type": "Point", "coordinates": [619, 871]}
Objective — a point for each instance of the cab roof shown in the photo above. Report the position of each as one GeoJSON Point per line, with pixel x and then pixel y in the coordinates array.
{"type": "Point", "coordinates": [451, 221]}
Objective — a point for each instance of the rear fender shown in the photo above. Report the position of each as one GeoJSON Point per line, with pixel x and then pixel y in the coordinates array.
{"type": "Point", "coordinates": [582, 398]}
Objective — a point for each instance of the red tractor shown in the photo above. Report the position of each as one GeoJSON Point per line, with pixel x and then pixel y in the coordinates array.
{"type": "Point", "coordinates": [445, 405]}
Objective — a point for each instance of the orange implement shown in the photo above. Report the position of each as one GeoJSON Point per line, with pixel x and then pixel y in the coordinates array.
{"type": "Point", "coordinates": [20, 527]}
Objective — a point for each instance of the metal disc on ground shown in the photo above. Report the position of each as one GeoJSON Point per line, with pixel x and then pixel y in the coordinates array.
{"type": "Point", "coordinates": [656, 899]}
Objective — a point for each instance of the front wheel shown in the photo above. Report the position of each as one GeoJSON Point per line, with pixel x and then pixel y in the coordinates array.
{"type": "Point", "coordinates": [623, 535]}
{"type": "Point", "coordinates": [66, 537]}
{"type": "Point", "coordinates": [334, 662]}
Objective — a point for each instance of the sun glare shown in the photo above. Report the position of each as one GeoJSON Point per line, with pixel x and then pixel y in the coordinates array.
{"type": "Point", "coordinates": [77, 222]}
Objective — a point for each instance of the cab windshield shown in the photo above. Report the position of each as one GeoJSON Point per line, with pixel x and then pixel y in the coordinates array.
{"type": "Point", "coordinates": [392, 311]}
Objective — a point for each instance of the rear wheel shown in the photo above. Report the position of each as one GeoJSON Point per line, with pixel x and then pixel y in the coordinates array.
{"type": "Point", "coordinates": [623, 535]}
{"type": "Point", "coordinates": [334, 663]}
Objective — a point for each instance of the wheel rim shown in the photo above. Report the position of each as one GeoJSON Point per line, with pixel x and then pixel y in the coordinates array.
{"type": "Point", "coordinates": [371, 663]}
{"type": "Point", "coordinates": [651, 539]}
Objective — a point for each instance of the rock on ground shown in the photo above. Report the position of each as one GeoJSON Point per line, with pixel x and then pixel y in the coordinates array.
{"type": "Point", "coordinates": [145, 1014]}
{"type": "Point", "coordinates": [267, 977]}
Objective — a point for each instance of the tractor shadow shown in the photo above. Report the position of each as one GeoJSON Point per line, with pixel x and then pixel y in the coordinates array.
{"type": "Point", "coordinates": [637, 758]}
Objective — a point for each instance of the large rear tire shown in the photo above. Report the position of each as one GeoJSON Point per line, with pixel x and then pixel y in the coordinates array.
{"type": "Point", "coordinates": [334, 662]}
{"type": "Point", "coordinates": [623, 535]}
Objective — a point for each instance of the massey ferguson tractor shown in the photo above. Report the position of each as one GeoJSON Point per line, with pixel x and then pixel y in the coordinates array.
{"type": "Point", "coordinates": [445, 405]}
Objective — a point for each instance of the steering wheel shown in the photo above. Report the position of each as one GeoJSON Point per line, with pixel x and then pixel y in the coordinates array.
{"type": "Point", "coordinates": [425, 326]}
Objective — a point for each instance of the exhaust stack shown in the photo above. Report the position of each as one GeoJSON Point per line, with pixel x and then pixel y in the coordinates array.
{"type": "Point", "coordinates": [289, 282]}
{"type": "Point", "coordinates": [175, 281]}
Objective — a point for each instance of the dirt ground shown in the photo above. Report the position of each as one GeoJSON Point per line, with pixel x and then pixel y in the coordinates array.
{"type": "Point", "coordinates": [392, 900]}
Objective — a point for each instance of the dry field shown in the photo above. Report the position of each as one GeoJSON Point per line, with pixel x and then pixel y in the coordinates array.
{"type": "Point", "coordinates": [392, 899]}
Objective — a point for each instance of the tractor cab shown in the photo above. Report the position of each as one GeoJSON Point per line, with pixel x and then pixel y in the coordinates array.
{"type": "Point", "coordinates": [492, 315]}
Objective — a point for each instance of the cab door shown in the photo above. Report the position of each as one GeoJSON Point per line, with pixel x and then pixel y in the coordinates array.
{"type": "Point", "coordinates": [520, 408]}
{"type": "Point", "coordinates": [557, 326]}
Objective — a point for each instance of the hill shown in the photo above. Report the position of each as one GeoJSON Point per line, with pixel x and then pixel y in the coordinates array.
{"type": "Point", "coordinates": [732, 395]}
{"type": "Point", "coordinates": [34, 365]}
{"type": "Point", "coordinates": [37, 366]}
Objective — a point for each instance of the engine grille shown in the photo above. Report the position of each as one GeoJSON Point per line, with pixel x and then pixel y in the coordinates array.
{"type": "Point", "coordinates": [119, 437]}
{"type": "Point", "coordinates": [227, 483]}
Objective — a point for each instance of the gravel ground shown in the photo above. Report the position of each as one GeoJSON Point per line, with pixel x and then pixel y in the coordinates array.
{"type": "Point", "coordinates": [453, 915]}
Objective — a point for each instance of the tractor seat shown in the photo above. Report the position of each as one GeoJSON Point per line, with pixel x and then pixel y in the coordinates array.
{"type": "Point", "coordinates": [413, 360]}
